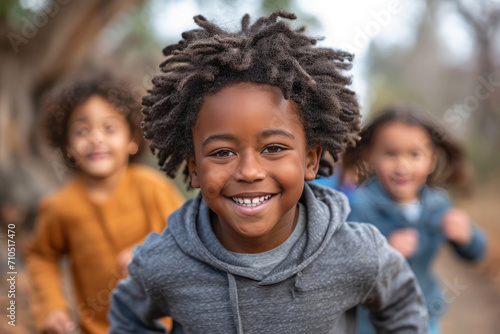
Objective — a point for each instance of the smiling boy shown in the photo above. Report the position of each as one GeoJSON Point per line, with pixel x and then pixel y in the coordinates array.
{"type": "Point", "coordinates": [247, 167]}
{"type": "Point", "coordinates": [259, 250]}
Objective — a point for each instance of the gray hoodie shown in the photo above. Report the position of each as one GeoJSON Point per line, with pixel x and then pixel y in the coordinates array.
{"type": "Point", "coordinates": [332, 267]}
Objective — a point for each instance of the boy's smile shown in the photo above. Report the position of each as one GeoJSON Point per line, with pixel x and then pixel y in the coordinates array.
{"type": "Point", "coordinates": [251, 160]}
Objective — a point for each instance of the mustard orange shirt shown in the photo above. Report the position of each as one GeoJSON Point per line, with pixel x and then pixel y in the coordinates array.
{"type": "Point", "coordinates": [92, 235]}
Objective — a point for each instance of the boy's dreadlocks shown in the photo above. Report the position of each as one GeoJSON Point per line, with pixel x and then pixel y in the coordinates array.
{"type": "Point", "coordinates": [266, 52]}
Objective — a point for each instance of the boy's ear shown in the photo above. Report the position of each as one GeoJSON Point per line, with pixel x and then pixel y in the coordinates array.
{"type": "Point", "coordinates": [195, 182]}
{"type": "Point", "coordinates": [313, 156]}
{"type": "Point", "coordinates": [133, 147]}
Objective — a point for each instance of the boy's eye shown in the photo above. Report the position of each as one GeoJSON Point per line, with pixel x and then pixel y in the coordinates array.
{"type": "Point", "coordinates": [415, 154]}
{"type": "Point", "coordinates": [223, 153]}
{"type": "Point", "coordinates": [273, 149]}
{"type": "Point", "coordinates": [390, 154]}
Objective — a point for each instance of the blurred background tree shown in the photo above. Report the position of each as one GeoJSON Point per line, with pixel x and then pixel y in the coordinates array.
{"type": "Point", "coordinates": [43, 41]}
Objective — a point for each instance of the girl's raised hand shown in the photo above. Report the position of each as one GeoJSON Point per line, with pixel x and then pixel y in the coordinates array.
{"type": "Point", "coordinates": [457, 226]}
{"type": "Point", "coordinates": [405, 241]}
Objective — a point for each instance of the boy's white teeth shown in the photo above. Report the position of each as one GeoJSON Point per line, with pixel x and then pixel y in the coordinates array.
{"type": "Point", "coordinates": [251, 201]}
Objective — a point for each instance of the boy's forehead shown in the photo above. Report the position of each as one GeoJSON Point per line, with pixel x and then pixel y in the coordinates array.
{"type": "Point", "coordinates": [246, 118]}
{"type": "Point", "coordinates": [233, 98]}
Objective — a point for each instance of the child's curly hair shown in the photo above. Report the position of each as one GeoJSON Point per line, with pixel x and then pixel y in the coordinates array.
{"type": "Point", "coordinates": [266, 52]}
{"type": "Point", "coordinates": [70, 94]}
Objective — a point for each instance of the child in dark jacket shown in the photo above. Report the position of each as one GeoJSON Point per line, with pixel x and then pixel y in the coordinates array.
{"type": "Point", "coordinates": [401, 148]}
{"type": "Point", "coordinates": [259, 251]}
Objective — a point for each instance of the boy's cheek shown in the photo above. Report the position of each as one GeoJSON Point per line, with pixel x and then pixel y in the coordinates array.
{"type": "Point", "coordinates": [212, 181]}
{"type": "Point", "coordinates": [286, 169]}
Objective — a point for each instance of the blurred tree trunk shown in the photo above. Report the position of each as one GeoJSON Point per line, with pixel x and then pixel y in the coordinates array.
{"type": "Point", "coordinates": [48, 44]}
{"type": "Point", "coordinates": [484, 20]}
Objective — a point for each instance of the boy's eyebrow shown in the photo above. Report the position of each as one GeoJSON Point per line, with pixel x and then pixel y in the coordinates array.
{"type": "Point", "coordinates": [276, 132]}
{"type": "Point", "coordinates": [218, 137]}
{"type": "Point", "coordinates": [263, 134]}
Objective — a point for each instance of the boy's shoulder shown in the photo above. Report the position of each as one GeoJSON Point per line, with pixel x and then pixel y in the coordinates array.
{"type": "Point", "coordinates": [152, 245]}
{"type": "Point", "coordinates": [361, 251]}
{"type": "Point", "coordinates": [160, 258]}
{"type": "Point", "coordinates": [358, 237]}
{"type": "Point", "coordinates": [350, 264]}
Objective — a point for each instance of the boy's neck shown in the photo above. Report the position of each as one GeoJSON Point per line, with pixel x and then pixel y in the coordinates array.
{"type": "Point", "coordinates": [237, 244]}
{"type": "Point", "coordinates": [100, 189]}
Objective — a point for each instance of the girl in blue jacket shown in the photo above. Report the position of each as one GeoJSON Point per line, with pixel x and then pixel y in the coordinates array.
{"type": "Point", "coordinates": [404, 155]}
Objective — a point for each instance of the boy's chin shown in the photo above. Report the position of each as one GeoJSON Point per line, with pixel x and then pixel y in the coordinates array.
{"type": "Point", "coordinates": [255, 231]}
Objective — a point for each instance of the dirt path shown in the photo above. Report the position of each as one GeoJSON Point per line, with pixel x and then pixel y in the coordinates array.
{"type": "Point", "coordinates": [475, 306]}
{"type": "Point", "coordinates": [474, 302]}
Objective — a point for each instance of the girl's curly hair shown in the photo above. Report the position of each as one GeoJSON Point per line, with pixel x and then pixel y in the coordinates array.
{"type": "Point", "coordinates": [266, 52]}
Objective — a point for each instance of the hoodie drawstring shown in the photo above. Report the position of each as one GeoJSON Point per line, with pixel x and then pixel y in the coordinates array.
{"type": "Point", "coordinates": [233, 295]}
{"type": "Point", "coordinates": [297, 281]}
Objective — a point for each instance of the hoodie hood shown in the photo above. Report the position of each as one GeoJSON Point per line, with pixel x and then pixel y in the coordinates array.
{"type": "Point", "coordinates": [326, 211]}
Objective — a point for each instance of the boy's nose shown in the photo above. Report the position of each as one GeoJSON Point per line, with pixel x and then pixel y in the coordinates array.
{"type": "Point", "coordinates": [250, 169]}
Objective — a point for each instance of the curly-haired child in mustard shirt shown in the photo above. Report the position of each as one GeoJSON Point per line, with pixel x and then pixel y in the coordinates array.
{"type": "Point", "coordinates": [97, 217]}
